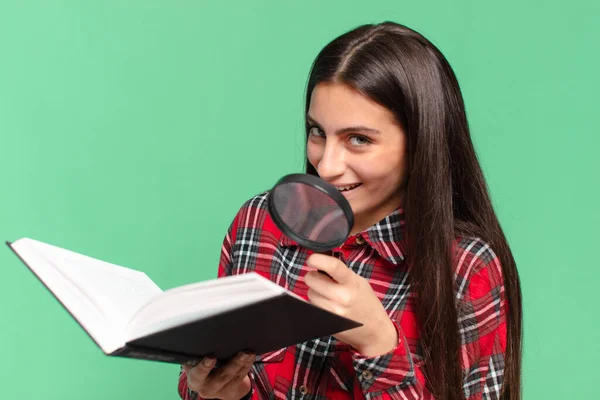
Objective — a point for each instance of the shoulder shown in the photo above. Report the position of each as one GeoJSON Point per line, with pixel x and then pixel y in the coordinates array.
{"type": "Point", "coordinates": [253, 218]}
{"type": "Point", "coordinates": [253, 209]}
{"type": "Point", "coordinates": [475, 262]}
{"type": "Point", "coordinates": [251, 239]}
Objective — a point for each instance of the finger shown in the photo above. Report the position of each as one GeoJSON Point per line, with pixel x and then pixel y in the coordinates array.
{"type": "Point", "coordinates": [321, 284]}
{"type": "Point", "coordinates": [336, 269]}
{"type": "Point", "coordinates": [189, 365]}
{"type": "Point", "coordinates": [241, 364]}
{"type": "Point", "coordinates": [197, 375]}
{"type": "Point", "coordinates": [242, 374]}
{"type": "Point", "coordinates": [321, 301]}
{"type": "Point", "coordinates": [233, 372]}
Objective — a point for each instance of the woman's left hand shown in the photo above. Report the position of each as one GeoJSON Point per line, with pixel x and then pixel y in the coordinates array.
{"type": "Point", "coordinates": [350, 295]}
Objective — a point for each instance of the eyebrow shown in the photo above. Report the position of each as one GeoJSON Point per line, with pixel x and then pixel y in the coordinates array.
{"type": "Point", "coordinates": [361, 129]}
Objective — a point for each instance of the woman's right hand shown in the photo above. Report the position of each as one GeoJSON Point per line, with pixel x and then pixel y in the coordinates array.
{"type": "Point", "coordinates": [228, 382]}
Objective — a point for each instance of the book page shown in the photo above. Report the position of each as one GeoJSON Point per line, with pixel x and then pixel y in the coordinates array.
{"type": "Point", "coordinates": [200, 300]}
{"type": "Point", "coordinates": [101, 296]}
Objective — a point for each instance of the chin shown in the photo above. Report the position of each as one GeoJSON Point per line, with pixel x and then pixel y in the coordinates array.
{"type": "Point", "coordinates": [357, 211]}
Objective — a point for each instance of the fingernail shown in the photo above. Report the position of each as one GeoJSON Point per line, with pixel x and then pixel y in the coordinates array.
{"type": "Point", "coordinates": [208, 362]}
{"type": "Point", "coordinates": [245, 356]}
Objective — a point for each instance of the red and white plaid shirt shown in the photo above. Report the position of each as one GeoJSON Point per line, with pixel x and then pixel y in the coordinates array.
{"type": "Point", "coordinates": [326, 368]}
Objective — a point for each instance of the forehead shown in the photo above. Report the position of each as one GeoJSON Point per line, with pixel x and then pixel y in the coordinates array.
{"type": "Point", "coordinates": [339, 104]}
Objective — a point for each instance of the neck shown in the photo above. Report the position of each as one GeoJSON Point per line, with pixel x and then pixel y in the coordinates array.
{"type": "Point", "coordinates": [366, 219]}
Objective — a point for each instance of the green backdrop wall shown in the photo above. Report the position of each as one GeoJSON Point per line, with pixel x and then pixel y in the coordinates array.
{"type": "Point", "coordinates": [132, 131]}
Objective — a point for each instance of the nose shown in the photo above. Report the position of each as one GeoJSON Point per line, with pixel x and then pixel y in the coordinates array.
{"type": "Point", "coordinates": [332, 163]}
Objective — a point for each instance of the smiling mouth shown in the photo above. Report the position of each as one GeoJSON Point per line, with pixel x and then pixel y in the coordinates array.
{"type": "Point", "coordinates": [348, 188]}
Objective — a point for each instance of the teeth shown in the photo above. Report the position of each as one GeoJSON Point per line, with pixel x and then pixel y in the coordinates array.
{"type": "Point", "coordinates": [344, 188]}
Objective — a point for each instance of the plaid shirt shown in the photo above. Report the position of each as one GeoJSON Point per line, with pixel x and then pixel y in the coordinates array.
{"type": "Point", "coordinates": [326, 368]}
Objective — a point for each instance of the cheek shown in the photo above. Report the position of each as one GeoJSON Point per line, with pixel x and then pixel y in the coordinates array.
{"type": "Point", "coordinates": [314, 153]}
{"type": "Point", "coordinates": [385, 170]}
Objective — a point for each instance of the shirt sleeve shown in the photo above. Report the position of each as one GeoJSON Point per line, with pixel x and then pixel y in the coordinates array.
{"type": "Point", "coordinates": [481, 307]}
{"type": "Point", "coordinates": [482, 320]}
{"type": "Point", "coordinates": [392, 375]}
{"type": "Point", "coordinates": [184, 392]}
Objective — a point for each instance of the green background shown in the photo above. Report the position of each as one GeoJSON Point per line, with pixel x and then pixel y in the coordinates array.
{"type": "Point", "coordinates": [132, 131]}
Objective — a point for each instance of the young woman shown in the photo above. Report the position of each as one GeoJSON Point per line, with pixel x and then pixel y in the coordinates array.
{"type": "Point", "coordinates": [426, 269]}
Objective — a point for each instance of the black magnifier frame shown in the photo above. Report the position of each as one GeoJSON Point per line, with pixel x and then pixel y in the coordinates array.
{"type": "Point", "coordinates": [327, 190]}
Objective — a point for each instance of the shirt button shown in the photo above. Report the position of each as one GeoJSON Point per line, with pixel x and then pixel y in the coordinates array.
{"type": "Point", "coordinates": [367, 375]}
{"type": "Point", "coordinates": [360, 240]}
{"type": "Point", "coordinates": [303, 390]}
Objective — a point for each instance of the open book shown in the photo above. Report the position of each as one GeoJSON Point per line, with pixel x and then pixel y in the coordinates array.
{"type": "Point", "coordinates": [126, 314]}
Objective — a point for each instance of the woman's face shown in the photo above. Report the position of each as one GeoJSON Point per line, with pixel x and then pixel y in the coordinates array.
{"type": "Point", "coordinates": [356, 145]}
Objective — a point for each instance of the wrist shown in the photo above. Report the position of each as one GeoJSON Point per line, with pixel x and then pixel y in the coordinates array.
{"type": "Point", "coordinates": [384, 340]}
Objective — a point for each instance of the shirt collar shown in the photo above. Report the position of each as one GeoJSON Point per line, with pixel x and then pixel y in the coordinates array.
{"type": "Point", "coordinates": [386, 237]}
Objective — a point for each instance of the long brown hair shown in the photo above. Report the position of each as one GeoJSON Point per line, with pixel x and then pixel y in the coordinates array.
{"type": "Point", "coordinates": [446, 193]}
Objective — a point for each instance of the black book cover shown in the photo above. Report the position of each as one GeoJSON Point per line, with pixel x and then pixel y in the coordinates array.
{"type": "Point", "coordinates": [261, 328]}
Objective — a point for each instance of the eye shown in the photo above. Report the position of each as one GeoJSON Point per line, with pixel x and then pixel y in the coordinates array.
{"type": "Point", "coordinates": [358, 140]}
{"type": "Point", "coordinates": [315, 132]}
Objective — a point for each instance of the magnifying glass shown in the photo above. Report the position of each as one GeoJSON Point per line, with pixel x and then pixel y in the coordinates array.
{"type": "Point", "coordinates": [310, 211]}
